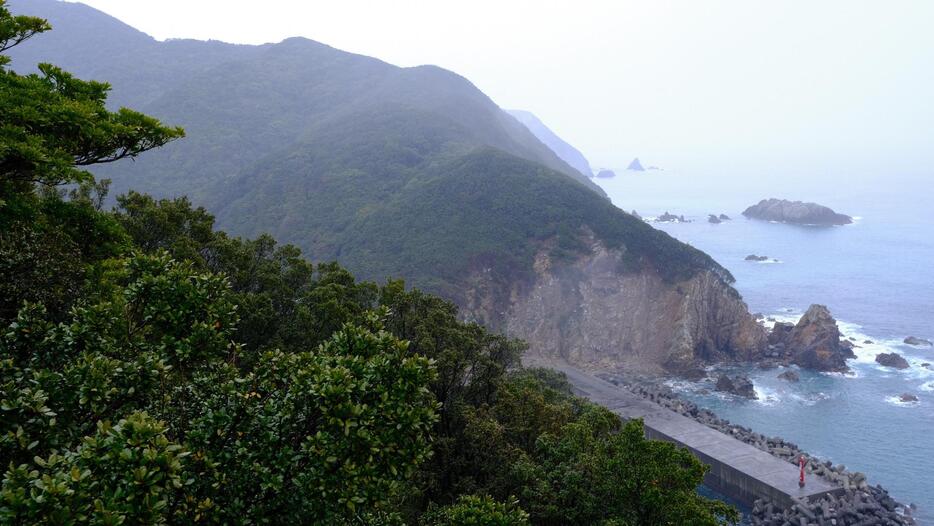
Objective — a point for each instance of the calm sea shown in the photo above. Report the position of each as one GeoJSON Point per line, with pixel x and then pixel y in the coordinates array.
{"type": "Point", "coordinates": [876, 278]}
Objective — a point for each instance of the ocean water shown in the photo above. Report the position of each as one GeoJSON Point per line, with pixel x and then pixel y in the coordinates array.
{"type": "Point", "coordinates": [876, 278]}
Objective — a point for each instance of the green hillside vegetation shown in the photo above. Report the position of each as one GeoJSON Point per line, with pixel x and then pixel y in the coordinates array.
{"type": "Point", "coordinates": [408, 173]}
{"type": "Point", "coordinates": [154, 370]}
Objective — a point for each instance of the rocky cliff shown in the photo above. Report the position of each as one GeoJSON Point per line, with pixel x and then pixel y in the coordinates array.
{"type": "Point", "coordinates": [590, 313]}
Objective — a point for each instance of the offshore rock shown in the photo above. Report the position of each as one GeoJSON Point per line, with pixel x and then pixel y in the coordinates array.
{"type": "Point", "coordinates": [671, 218]}
{"type": "Point", "coordinates": [814, 342]}
{"type": "Point", "coordinates": [919, 342]}
{"type": "Point", "coordinates": [606, 174]}
{"type": "Point", "coordinates": [635, 165]}
{"type": "Point", "coordinates": [893, 360]}
{"type": "Point", "coordinates": [737, 385]}
{"type": "Point", "coordinates": [796, 212]}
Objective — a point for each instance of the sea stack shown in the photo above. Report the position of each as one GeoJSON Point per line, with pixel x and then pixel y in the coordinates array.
{"type": "Point", "coordinates": [796, 212]}
{"type": "Point", "coordinates": [814, 342]}
{"type": "Point", "coordinates": [635, 165]}
{"type": "Point", "coordinates": [606, 174]}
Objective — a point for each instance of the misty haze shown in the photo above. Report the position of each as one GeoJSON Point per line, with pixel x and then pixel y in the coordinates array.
{"type": "Point", "coordinates": [435, 264]}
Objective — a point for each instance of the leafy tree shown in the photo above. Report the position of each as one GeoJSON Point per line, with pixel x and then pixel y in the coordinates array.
{"type": "Point", "coordinates": [250, 386]}
{"type": "Point", "coordinates": [52, 124]}
{"type": "Point", "coordinates": [471, 510]}
{"type": "Point", "coordinates": [128, 473]}
{"type": "Point", "coordinates": [317, 435]}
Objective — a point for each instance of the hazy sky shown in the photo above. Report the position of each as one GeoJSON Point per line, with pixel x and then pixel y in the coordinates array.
{"type": "Point", "coordinates": [783, 85]}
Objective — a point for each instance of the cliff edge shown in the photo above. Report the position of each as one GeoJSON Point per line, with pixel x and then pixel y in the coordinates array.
{"type": "Point", "coordinates": [589, 313]}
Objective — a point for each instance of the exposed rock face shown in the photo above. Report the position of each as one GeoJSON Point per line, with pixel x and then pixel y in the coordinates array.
{"type": "Point", "coordinates": [737, 385]}
{"type": "Point", "coordinates": [908, 397]}
{"type": "Point", "coordinates": [636, 214]}
{"type": "Point", "coordinates": [724, 217]}
{"type": "Point", "coordinates": [713, 219]}
{"type": "Point", "coordinates": [589, 313]}
{"type": "Point", "coordinates": [753, 257]}
{"type": "Point", "coordinates": [606, 174]}
{"type": "Point", "coordinates": [635, 165]}
{"type": "Point", "coordinates": [790, 376]}
{"type": "Point", "coordinates": [893, 360]}
{"type": "Point", "coordinates": [796, 212]}
{"type": "Point", "coordinates": [814, 342]}
{"type": "Point", "coordinates": [920, 342]}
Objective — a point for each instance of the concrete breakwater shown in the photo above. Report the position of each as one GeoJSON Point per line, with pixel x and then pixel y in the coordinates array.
{"type": "Point", "coordinates": [859, 504]}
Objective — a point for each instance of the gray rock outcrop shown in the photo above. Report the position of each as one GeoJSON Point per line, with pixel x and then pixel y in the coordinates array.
{"type": "Point", "coordinates": [796, 212]}
{"type": "Point", "coordinates": [753, 257]}
{"type": "Point", "coordinates": [813, 343]}
{"type": "Point", "coordinates": [590, 314]}
{"type": "Point", "coordinates": [714, 219]}
{"type": "Point", "coordinates": [790, 376]}
{"type": "Point", "coordinates": [606, 174]}
{"type": "Point", "coordinates": [671, 218]}
{"type": "Point", "coordinates": [736, 385]}
{"type": "Point", "coordinates": [635, 165]}
{"type": "Point", "coordinates": [893, 360]}
{"type": "Point", "coordinates": [918, 342]}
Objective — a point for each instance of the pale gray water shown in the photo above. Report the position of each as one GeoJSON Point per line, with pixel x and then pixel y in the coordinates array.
{"type": "Point", "coordinates": [875, 276]}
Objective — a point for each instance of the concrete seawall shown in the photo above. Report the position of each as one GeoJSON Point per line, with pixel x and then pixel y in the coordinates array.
{"type": "Point", "coordinates": [737, 470]}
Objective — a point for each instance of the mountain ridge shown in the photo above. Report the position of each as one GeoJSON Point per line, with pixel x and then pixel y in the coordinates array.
{"type": "Point", "coordinates": [407, 173]}
{"type": "Point", "coordinates": [562, 148]}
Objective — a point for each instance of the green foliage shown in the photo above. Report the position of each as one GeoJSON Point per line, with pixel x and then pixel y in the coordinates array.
{"type": "Point", "coordinates": [315, 435]}
{"type": "Point", "coordinates": [571, 462]}
{"type": "Point", "coordinates": [15, 30]}
{"type": "Point", "coordinates": [128, 473]}
{"type": "Point", "coordinates": [397, 173]}
{"type": "Point", "coordinates": [52, 123]}
{"type": "Point", "coordinates": [249, 386]}
{"type": "Point", "coordinates": [471, 510]}
{"type": "Point", "coordinates": [285, 301]}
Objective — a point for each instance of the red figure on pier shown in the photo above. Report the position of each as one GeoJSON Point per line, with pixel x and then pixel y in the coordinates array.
{"type": "Point", "coordinates": [801, 479]}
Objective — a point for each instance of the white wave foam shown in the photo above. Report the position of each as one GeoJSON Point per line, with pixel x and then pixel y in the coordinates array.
{"type": "Point", "coordinates": [809, 399]}
{"type": "Point", "coordinates": [927, 386]}
{"type": "Point", "coordinates": [766, 396]}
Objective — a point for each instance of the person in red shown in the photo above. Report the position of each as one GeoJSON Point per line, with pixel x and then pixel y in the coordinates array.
{"type": "Point", "coordinates": [801, 479]}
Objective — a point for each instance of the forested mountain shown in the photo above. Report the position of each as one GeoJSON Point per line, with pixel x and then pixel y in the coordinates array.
{"type": "Point", "coordinates": [154, 370]}
{"type": "Point", "coordinates": [565, 151]}
{"type": "Point", "coordinates": [410, 173]}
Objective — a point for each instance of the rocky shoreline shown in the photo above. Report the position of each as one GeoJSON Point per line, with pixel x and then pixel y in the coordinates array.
{"type": "Point", "coordinates": [860, 505]}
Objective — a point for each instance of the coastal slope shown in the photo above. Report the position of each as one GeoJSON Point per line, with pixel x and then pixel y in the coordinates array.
{"type": "Point", "coordinates": [562, 148]}
{"type": "Point", "coordinates": [410, 173]}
